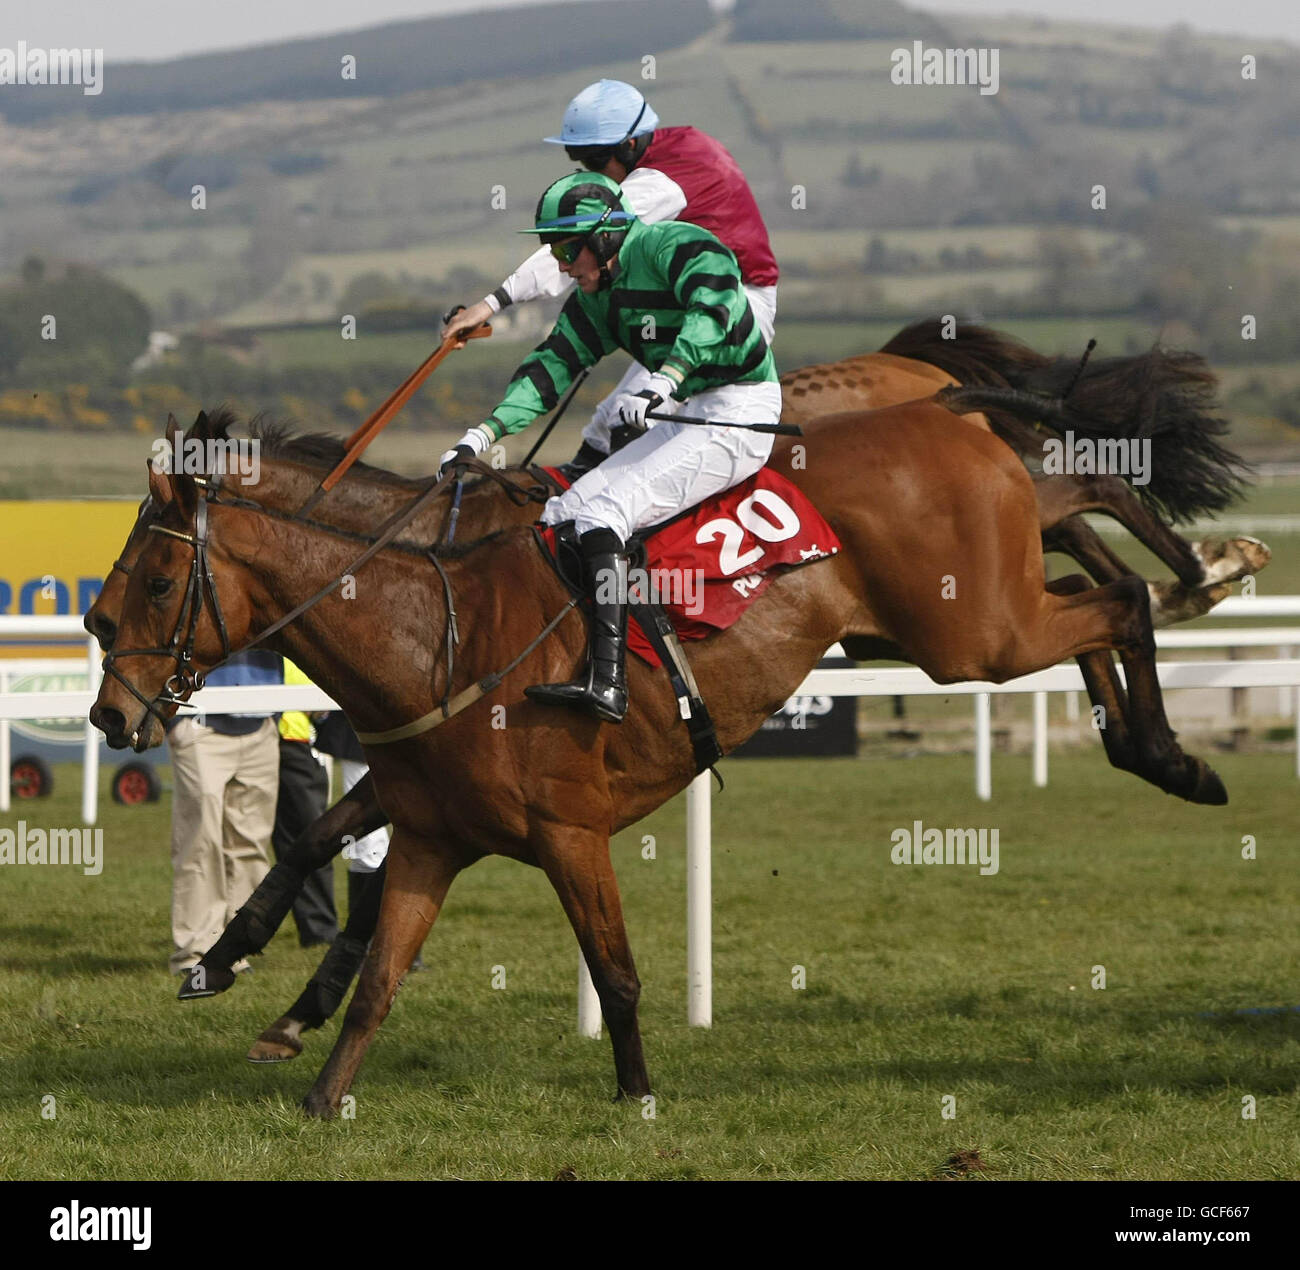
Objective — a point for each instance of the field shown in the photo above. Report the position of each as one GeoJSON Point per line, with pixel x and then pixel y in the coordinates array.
{"type": "Point", "coordinates": [922, 982]}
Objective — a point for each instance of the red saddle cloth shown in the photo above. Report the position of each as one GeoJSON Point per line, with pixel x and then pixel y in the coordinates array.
{"type": "Point", "coordinates": [710, 564]}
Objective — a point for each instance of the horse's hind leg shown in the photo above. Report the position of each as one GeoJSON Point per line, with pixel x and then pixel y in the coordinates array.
{"type": "Point", "coordinates": [1104, 690]}
{"type": "Point", "coordinates": [419, 874]}
{"type": "Point", "coordinates": [1116, 616]}
{"type": "Point", "coordinates": [578, 865]}
{"type": "Point", "coordinates": [326, 989]}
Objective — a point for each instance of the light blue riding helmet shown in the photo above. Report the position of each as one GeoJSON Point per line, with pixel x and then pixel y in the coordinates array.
{"type": "Point", "coordinates": [603, 114]}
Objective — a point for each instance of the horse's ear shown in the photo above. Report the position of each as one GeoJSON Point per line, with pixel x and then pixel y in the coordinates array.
{"type": "Point", "coordinates": [160, 483]}
{"type": "Point", "coordinates": [180, 482]}
{"type": "Point", "coordinates": [162, 463]}
{"type": "Point", "coordinates": [201, 428]}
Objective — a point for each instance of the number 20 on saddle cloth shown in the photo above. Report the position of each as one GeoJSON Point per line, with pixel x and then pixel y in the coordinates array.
{"type": "Point", "coordinates": [708, 565]}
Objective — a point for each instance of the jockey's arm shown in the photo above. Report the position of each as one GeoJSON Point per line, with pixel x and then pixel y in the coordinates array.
{"type": "Point", "coordinates": [577, 341]}
{"type": "Point", "coordinates": [706, 281]}
{"type": "Point", "coordinates": [648, 192]}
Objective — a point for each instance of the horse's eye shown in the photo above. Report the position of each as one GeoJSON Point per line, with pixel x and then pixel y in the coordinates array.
{"type": "Point", "coordinates": [159, 587]}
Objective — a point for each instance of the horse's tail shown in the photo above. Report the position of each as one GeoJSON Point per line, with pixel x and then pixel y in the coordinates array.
{"type": "Point", "coordinates": [1165, 395]}
{"type": "Point", "coordinates": [1189, 473]}
{"type": "Point", "coordinates": [978, 354]}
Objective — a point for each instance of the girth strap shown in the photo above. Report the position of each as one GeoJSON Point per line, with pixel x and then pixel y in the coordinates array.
{"type": "Point", "coordinates": [448, 709]}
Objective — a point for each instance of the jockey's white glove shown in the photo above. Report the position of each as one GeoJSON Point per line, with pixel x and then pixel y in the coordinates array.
{"type": "Point", "coordinates": [632, 407]}
{"type": "Point", "coordinates": [470, 446]}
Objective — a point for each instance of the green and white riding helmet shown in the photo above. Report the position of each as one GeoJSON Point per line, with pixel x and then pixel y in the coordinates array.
{"type": "Point", "coordinates": [584, 205]}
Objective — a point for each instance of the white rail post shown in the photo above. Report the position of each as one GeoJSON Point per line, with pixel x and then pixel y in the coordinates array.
{"type": "Point", "coordinates": [5, 760]}
{"type": "Point", "coordinates": [588, 1002]}
{"type": "Point", "coordinates": [983, 746]}
{"type": "Point", "coordinates": [1040, 739]}
{"type": "Point", "coordinates": [699, 902]}
{"type": "Point", "coordinates": [90, 766]}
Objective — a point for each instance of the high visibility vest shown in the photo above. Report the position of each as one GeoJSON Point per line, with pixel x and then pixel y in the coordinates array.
{"type": "Point", "coordinates": [294, 724]}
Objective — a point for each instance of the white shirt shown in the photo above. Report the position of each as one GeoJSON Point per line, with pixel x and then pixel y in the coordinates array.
{"type": "Point", "coordinates": [647, 191]}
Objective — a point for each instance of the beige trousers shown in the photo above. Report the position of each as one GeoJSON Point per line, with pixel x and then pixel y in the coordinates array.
{"type": "Point", "coordinates": [223, 811]}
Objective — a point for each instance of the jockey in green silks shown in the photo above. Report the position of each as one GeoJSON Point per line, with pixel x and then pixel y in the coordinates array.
{"type": "Point", "coordinates": [671, 295]}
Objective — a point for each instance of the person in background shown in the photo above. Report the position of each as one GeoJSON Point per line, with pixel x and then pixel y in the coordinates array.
{"type": "Point", "coordinates": [303, 796]}
{"type": "Point", "coordinates": [225, 773]}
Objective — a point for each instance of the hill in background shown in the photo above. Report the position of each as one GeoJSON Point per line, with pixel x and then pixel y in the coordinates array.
{"type": "Point", "coordinates": [384, 195]}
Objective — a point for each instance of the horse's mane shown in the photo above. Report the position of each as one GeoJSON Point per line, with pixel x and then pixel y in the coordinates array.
{"type": "Point", "coordinates": [278, 440]}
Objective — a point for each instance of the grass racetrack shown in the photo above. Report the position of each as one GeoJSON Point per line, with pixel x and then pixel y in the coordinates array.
{"type": "Point", "coordinates": [922, 982]}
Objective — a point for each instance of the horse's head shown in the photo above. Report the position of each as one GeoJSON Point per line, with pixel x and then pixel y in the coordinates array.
{"type": "Point", "coordinates": [102, 617]}
{"type": "Point", "coordinates": [165, 621]}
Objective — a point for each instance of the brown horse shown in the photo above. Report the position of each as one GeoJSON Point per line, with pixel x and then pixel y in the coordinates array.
{"type": "Point", "coordinates": [371, 493]}
{"type": "Point", "coordinates": [550, 787]}
{"type": "Point", "coordinates": [1177, 401]}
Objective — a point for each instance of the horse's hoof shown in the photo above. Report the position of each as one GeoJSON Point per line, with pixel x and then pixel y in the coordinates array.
{"type": "Point", "coordinates": [1210, 789]}
{"type": "Point", "coordinates": [1171, 602]}
{"type": "Point", "coordinates": [1231, 559]}
{"type": "Point", "coordinates": [319, 1107]}
{"type": "Point", "coordinates": [204, 981]}
{"type": "Point", "coordinates": [278, 1043]}
{"type": "Point", "coordinates": [274, 1049]}
{"type": "Point", "coordinates": [1206, 786]}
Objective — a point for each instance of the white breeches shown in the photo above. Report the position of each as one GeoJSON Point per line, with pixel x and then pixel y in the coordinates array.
{"type": "Point", "coordinates": [673, 466]}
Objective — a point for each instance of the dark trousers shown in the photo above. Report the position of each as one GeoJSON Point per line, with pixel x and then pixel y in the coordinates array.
{"type": "Point", "coordinates": [304, 793]}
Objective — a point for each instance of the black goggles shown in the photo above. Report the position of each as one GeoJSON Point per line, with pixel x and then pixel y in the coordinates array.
{"type": "Point", "coordinates": [567, 250]}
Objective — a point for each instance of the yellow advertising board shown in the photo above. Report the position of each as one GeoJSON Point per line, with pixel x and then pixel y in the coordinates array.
{"type": "Point", "coordinates": [54, 555]}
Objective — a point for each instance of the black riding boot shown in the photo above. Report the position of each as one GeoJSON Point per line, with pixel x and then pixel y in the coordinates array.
{"type": "Point", "coordinates": [586, 458]}
{"type": "Point", "coordinates": [602, 691]}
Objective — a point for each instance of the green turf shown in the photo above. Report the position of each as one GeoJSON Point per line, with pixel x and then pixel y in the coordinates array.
{"type": "Point", "coordinates": [921, 982]}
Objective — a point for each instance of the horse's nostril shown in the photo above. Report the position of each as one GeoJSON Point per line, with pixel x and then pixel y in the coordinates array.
{"type": "Point", "coordinates": [112, 723]}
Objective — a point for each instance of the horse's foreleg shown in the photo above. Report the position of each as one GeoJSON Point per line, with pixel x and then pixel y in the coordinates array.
{"type": "Point", "coordinates": [578, 865]}
{"type": "Point", "coordinates": [419, 873]}
{"type": "Point", "coordinates": [326, 989]}
{"type": "Point", "coordinates": [356, 814]}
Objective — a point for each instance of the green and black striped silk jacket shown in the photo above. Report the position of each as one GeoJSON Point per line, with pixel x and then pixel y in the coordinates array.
{"type": "Point", "coordinates": [676, 304]}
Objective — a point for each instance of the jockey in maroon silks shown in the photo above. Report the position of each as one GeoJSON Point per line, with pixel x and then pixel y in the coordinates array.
{"type": "Point", "coordinates": [674, 173]}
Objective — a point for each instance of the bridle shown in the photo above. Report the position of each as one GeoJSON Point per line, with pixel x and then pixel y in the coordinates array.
{"type": "Point", "coordinates": [185, 679]}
